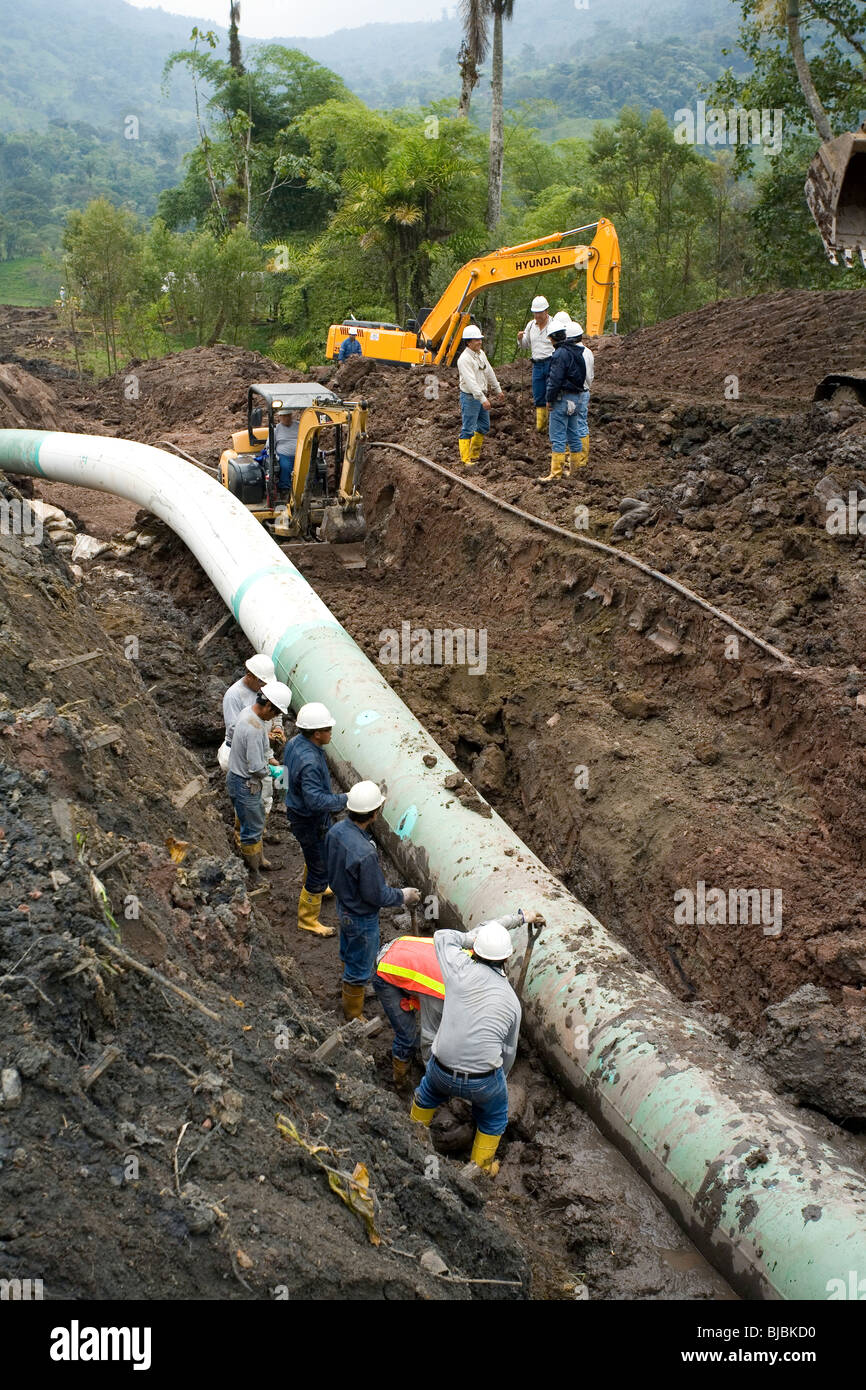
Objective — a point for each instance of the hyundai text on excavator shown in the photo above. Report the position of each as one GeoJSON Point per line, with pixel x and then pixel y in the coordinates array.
{"type": "Point", "coordinates": [435, 336]}
{"type": "Point", "coordinates": [322, 501]}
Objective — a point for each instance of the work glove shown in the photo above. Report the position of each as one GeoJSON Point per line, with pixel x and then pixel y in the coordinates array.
{"type": "Point", "coordinates": [255, 785]}
{"type": "Point", "coordinates": [277, 738]}
{"type": "Point", "coordinates": [571, 407]}
{"type": "Point", "coordinates": [411, 896]}
{"type": "Point", "coordinates": [275, 771]}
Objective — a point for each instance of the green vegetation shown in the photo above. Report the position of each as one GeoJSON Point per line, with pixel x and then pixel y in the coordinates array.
{"type": "Point", "coordinates": [29, 282]}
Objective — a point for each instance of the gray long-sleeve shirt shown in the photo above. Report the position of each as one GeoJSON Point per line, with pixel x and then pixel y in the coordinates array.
{"type": "Point", "coordinates": [250, 750]}
{"type": "Point", "coordinates": [481, 1018]}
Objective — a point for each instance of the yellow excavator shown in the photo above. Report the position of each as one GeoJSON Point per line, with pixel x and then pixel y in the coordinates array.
{"type": "Point", "coordinates": [317, 498]}
{"type": "Point", "coordinates": [435, 336]}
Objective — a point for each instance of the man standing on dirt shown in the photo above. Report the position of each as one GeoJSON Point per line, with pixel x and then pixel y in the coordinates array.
{"type": "Point", "coordinates": [565, 386]}
{"type": "Point", "coordinates": [356, 877]}
{"type": "Point", "coordinates": [534, 336]}
{"type": "Point", "coordinates": [240, 697]}
{"type": "Point", "coordinates": [476, 1044]}
{"type": "Point", "coordinates": [249, 759]}
{"type": "Point", "coordinates": [310, 804]}
{"type": "Point", "coordinates": [574, 337]}
{"type": "Point", "coordinates": [477, 382]}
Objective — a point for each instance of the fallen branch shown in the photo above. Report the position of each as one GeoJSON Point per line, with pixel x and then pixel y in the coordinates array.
{"type": "Point", "coordinates": [159, 979]}
{"type": "Point", "coordinates": [93, 1073]}
{"type": "Point", "coordinates": [170, 1057]}
{"type": "Point", "coordinates": [183, 1129]}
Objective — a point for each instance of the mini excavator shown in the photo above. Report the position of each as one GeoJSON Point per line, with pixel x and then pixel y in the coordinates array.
{"type": "Point", "coordinates": [435, 336]}
{"type": "Point", "coordinates": [322, 500]}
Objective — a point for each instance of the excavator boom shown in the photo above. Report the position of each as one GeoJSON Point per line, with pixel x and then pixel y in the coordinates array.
{"type": "Point", "coordinates": [438, 336]}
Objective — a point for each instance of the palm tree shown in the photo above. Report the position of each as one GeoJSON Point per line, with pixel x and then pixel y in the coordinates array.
{"type": "Point", "coordinates": [473, 50]}
{"type": "Point", "coordinates": [500, 10]}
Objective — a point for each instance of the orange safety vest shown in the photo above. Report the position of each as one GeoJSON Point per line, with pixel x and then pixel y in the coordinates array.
{"type": "Point", "coordinates": [410, 963]}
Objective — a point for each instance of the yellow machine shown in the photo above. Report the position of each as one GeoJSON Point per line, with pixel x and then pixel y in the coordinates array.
{"type": "Point", "coordinates": [436, 336]}
{"type": "Point", "coordinates": [316, 502]}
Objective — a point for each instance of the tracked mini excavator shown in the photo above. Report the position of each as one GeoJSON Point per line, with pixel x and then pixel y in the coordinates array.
{"type": "Point", "coordinates": [435, 336]}
{"type": "Point", "coordinates": [322, 501]}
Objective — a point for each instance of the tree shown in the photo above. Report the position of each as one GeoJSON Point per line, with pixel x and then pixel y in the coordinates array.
{"type": "Point", "coordinates": [474, 15]}
{"type": "Point", "coordinates": [103, 255]}
{"type": "Point", "coordinates": [235, 58]}
{"type": "Point", "coordinates": [500, 10]}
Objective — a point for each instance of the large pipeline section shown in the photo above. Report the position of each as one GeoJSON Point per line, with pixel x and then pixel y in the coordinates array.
{"type": "Point", "coordinates": [776, 1209]}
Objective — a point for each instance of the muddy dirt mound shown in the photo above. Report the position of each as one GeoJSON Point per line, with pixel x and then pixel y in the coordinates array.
{"type": "Point", "coordinates": [140, 1110]}
{"type": "Point", "coordinates": [778, 346]}
{"type": "Point", "coordinates": [28, 403]}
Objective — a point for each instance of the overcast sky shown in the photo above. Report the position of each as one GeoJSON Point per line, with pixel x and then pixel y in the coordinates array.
{"type": "Point", "coordinates": [267, 19]}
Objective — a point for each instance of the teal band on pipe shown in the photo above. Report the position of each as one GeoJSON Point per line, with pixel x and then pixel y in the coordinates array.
{"type": "Point", "coordinates": [776, 1207]}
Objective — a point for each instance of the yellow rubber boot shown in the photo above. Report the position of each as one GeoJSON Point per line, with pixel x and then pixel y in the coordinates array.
{"type": "Point", "coordinates": [419, 1114]}
{"type": "Point", "coordinates": [483, 1149]}
{"type": "Point", "coordinates": [308, 914]}
{"type": "Point", "coordinates": [582, 459]}
{"type": "Point", "coordinates": [566, 466]}
{"type": "Point", "coordinates": [401, 1067]}
{"type": "Point", "coordinates": [541, 418]}
{"type": "Point", "coordinates": [328, 893]}
{"type": "Point", "coordinates": [353, 1001]}
{"type": "Point", "coordinates": [464, 445]}
{"type": "Point", "coordinates": [556, 463]}
{"type": "Point", "coordinates": [475, 444]}
{"type": "Point", "coordinates": [252, 857]}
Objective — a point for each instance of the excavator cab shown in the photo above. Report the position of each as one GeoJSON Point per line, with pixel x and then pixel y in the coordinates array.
{"type": "Point", "coordinates": [314, 501]}
{"type": "Point", "coordinates": [836, 195]}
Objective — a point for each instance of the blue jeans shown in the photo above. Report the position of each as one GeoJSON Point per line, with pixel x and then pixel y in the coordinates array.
{"type": "Point", "coordinates": [309, 834]}
{"type": "Point", "coordinates": [249, 809]}
{"type": "Point", "coordinates": [567, 431]}
{"type": "Point", "coordinates": [286, 466]}
{"type": "Point", "coordinates": [476, 420]}
{"type": "Point", "coordinates": [488, 1095]}
{"type": "Point", "coordinates": [405, 1024]}
{"type": "Point", "coordinates": [540, 373]}
{"type": "Point", "coordinates": [359, 945]}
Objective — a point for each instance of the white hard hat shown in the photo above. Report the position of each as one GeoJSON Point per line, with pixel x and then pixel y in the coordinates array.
{"type": "Point", "coordinates": [493, 941]}
{"type": "Point", "coordinates": [261, 667]}
{"type": "Point", "coordinates": [278, 694]}
{"type": "Point", "coordinates": [315, 716]}
{"type": "Point", "coordinates": [364, 797]}
{"type": "Point", "coordinates": [353, 332]}
{"type": "Point", "coordinates": [472, 331]}
{"type": "Point", "coordinates": [539, 304]}
{"type": "Point", "coordinates": [558, 324]}
{"type": "Point", "coordinates": [574, 330]}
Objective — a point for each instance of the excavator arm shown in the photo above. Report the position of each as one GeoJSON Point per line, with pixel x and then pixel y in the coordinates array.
{"type": "Point", "coordinates": [438, 337]}
{"type": "Point", "coordinates": [441, 330]}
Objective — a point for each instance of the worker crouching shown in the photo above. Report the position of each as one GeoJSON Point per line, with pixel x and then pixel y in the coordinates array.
{"type": "Point", "coordinates": [249, 759]}
{"type": "Point", "coordinates": [476, 1043]}
{"type": "Point", "coordinates": [310, 804]}
{"type": "Point", "coordinates": [409, 985]}
{"type": "Point", "coordinates": [477, 383]}
{"type": "Point", "coordinates": [356, 877]}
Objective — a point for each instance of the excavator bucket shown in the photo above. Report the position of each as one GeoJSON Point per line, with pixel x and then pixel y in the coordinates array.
{"type": "Point", "coordinates": [836, 194]}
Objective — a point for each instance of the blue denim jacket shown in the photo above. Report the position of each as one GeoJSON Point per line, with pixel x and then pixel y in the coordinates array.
{"type": "Point", "coordinates": [308, 781]}
{"type": "Point", "coordinates": [354, 871]}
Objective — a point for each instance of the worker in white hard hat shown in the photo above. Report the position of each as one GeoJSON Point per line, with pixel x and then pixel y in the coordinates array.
{"type": "Point", "coordinates": [238, 697]}
{"type": "Point", "coordinates": [566, 383]}
{"type": "Point", "coordinates": [476, 1042]}
{"type": "Point", "coordinates": [356, 877]}
{"type": "Point", "coordinates": [574, 337]}
{"type": "Point", "coordinates": [310, 805]}
{"type": "Point", "coordinates": [477, 384]}
{"type": "Point", "coordinates": [534, 337]}
{"type": "Point", "coordinates": [350, 346]}
{"type": "Point", "coordinates": [249, 768]}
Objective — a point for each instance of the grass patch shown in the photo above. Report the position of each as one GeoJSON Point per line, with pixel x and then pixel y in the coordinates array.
{"type": "Point", "coordinates": [27, 282]}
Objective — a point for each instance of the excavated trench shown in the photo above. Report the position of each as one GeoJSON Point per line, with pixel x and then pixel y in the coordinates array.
{"type": "Point", "coordinates": [613, 728]}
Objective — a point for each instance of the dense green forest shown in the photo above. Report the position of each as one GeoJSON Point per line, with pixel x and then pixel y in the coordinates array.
{"type": "Point", "coordinates": [297, 201]}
